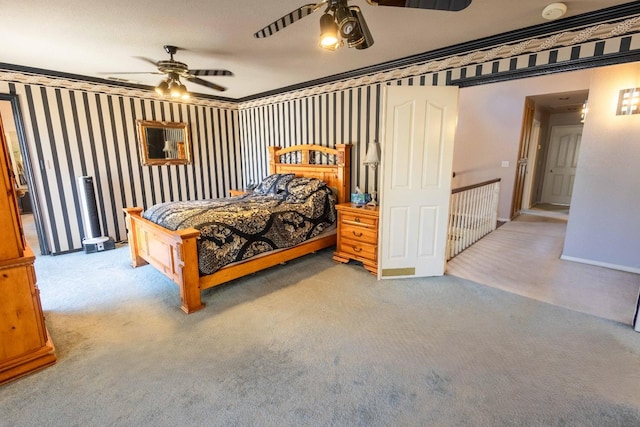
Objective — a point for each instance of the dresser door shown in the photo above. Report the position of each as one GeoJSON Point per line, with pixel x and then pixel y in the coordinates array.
{"type": "Point", "coordinates": [12, 243]}
{"type": "Point", "coordinates": [21, 327]}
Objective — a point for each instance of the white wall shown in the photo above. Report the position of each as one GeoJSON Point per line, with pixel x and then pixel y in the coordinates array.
{"type": "Point", "coordinates": [489, 126]}
{"type": "Point", "coordinates": [604, 224]}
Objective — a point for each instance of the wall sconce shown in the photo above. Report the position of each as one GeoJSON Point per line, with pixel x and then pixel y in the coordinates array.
{"type": "Point", "coordinates": [628, 102]}
{"type": "Point", "coordinates": [373, 159]}
{"type": "Point", "coordinates": [583, 113]}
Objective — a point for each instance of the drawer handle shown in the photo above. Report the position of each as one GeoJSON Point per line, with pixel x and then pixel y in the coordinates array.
{"type": "Point", "coordinates": [357, 219]}
{"type": "Point", "coordinates": [357, 249]}
{"type": "Point", "coordinates": [357, 234]}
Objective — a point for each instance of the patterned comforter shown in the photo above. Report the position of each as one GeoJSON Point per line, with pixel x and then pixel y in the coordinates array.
{"type": "Point", "coordinates": [237, 228]}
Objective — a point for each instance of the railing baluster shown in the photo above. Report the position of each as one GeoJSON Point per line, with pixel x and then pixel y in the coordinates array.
{"type": "Point", "coordinates": [473, 213]}
{"type": "Point", "coordinates": [466, 197]}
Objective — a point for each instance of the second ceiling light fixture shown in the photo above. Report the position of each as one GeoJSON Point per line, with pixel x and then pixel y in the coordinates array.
{"type": "Point", "coordinates": [341, 22]}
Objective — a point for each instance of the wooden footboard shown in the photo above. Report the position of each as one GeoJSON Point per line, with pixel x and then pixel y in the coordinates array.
{"type": "Point", "coordinates": [175, 254]}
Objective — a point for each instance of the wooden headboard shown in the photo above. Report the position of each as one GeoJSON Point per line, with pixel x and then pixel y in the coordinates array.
{"type": "Point", "coordinates": [337, 174]}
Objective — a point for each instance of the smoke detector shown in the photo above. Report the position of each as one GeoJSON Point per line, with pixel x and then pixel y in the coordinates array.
{"type": "Point", "coordinates": [554, 11]}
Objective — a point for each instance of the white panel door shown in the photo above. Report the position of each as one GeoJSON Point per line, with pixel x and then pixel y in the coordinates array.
{"type": "Point", "coordinates": [562, 161]}
{"type": "Point", "coordinates": [417, 144]}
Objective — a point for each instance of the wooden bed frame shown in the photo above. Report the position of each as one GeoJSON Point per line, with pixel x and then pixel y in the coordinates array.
{"type": "Point", "coordinates": [174, 253]}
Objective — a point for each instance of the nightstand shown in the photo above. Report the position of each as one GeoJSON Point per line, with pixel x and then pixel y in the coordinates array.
{"type": "Point", "coordinates": [357, 235]}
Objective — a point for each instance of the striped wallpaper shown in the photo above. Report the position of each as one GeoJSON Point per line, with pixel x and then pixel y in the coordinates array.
{"type": "Point", "coordinates": [73, 133]}
{"type": "Point", "coordinates": [346, 117]}
{"type": "Point", "coordinates": [82, 128]}
{"type": "Point", "coordinates": [349, 112]}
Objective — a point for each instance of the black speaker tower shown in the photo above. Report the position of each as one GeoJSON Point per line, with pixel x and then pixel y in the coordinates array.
{"type": "Point", "coordinates": [93, 240]}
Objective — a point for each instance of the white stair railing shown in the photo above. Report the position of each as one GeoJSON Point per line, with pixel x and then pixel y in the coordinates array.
{"type": "Point", "coordinates": [473, 213]}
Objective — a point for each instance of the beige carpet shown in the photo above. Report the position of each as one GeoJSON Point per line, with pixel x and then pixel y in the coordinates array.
{"type": "Point", "coordinates": [523, 257]}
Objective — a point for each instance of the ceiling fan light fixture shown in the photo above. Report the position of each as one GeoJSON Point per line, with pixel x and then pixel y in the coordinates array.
{"type": "Point", "coordinates": [175, 88]}
{"type": "Point", "coordinates": [338, 17]}
{"type": "Point", "coordinates": [361, 38]}
{"type": "Point", "coordinates": [347, 23]}
{"type": "Point", "coordinates": [328, 32]}
{"type": "Point", "coordinates": [162, 88]}
{"type": "Point", "coordinates": [184, 94]}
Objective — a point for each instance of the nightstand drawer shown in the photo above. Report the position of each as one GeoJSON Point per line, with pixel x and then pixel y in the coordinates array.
{"type": "Point", "coordinates": [349, 218]}
{"type": "Point", "coordinates": [359, 249]}
{"type": "Point", "coordinates": [359, 233]}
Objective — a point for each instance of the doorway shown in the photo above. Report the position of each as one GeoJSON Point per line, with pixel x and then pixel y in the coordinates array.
{"type": "Point", "coordinates": [561, 164]}
{"type": "Point", "coordinates": [21, 164]}
{"type": "Point", "coordinates": [553, 135]}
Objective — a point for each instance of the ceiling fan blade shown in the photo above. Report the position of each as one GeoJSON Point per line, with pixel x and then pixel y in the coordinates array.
{"type": "Point", "coordinates": [447, 5]}
{"type": "Point", "coordinates": [288, 19]}
{"type": "Point", "coordinates": [132, 72]}
{"type": "Point", "coordinates": [150, 61]}
{"type": "Point", "coordinates": [199, 81]}
{"type": "Point", "coordinates": [210, 73]}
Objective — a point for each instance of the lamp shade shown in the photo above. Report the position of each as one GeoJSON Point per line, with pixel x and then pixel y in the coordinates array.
{"type": "Point", "coordinates": [373, 154]}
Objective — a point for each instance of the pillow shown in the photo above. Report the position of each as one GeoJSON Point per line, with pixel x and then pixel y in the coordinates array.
{"type": "Point", "coordinates": [274, 184]}
{"type": "Point", "coordinates": [300, 189]}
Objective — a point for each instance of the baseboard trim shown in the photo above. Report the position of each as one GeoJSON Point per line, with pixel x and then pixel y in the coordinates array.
{"type": "Point", "coordinates": [602, 264]}
{"type": "Point", "coordinates": [504, 219]}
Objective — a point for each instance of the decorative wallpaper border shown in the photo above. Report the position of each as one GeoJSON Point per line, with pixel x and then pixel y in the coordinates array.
{"type": "Point", "coordinates": [549, 43]}
{"type": "Point", "coordinates": [564, 39]}
{"type": "Point", "coordinates": [87, 86]}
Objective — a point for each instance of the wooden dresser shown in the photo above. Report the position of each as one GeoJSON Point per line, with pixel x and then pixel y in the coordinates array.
{"type": "Point", "coordinates": [25, 345]}
{"type": "Point", "coordinates": [357, 235]}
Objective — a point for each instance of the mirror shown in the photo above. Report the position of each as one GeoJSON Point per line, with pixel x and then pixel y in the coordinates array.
{"type": "Point", "coordinates": [164, 143]}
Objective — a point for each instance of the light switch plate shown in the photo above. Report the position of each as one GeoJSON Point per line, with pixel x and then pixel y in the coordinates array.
{"type": "Point", "coordinates": [505, 163]}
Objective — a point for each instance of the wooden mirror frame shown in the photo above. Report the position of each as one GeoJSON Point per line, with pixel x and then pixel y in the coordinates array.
{"type": "Point", "coordinates": [153, 139]}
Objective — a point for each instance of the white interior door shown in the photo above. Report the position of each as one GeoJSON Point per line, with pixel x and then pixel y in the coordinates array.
{"type": "Point", "coordinates": [417, 143]}
{"type": "Point", "coordinates": [562, 161]}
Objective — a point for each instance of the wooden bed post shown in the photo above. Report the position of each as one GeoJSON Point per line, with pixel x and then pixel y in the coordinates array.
{"type": "Point", "coordinates": [136, 259]}
{"type": "Point", "coordinates": [273, 159]}
{"type": "Point", "coordinates": [343, 162]}
{"type": "Point", "coordinates": [187, 262]}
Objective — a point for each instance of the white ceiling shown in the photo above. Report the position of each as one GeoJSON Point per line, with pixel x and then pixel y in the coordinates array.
{"type": "Point", "coordinates": [105, 38]}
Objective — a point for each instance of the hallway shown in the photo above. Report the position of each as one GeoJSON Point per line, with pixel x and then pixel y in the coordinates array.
{"type": "Point", "coordinates": [523, 257]}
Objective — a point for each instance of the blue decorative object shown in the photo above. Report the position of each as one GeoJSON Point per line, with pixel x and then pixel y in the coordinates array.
{"type": "Point", "coordinates": [360, 199]}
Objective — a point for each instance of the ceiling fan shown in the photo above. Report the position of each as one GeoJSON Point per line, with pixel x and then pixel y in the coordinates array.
{"type": "Point", "coordinates": [341, 21]}
{"type": "Point", "coordinates": [171, 85]}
